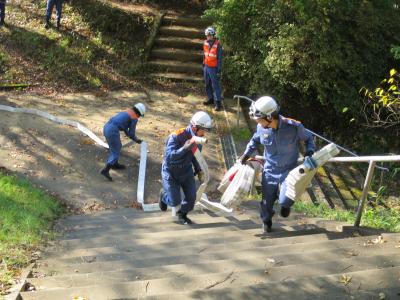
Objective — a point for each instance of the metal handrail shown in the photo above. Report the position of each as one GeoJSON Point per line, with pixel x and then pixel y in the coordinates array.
{"type": "Point", "coordinates": [367, 183]}
{"type": "Point", "coordinates": [239, 97]}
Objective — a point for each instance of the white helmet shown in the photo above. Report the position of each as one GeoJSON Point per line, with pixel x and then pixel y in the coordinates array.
{"type": "Point", "coordinates": [201, 120]}
{"type": "Point", "coordinates": [140, 108]}
{"type": "Point", "coordinates": [264, 107]}
{"type": "Point", "coordinates": [209, 31]}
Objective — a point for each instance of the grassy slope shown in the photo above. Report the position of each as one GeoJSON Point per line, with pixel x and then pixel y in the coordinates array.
{"type": "Point", "coordinates": [26, 218]}
{"type": "Point", "coordinates": [99, 47]}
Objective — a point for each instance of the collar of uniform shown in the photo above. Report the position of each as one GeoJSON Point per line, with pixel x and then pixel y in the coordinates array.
{"type": "Point", "coordinates": [190, 130]}
{"type": "Point", "coordinates": [131, 113]}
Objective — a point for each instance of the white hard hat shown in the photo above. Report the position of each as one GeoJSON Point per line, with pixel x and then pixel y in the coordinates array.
{"type": "Point", "coordinates": [264, 107]}
{"type": "Point", "coordinates": [141, 108]}
{"type": "Point", "coordinates": [201, 120]}
{"type": "Point", "coordinates": [209, 31]}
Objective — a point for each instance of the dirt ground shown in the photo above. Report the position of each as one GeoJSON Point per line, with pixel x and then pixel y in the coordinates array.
{"type": "Point", "coordinates": [66, 163]}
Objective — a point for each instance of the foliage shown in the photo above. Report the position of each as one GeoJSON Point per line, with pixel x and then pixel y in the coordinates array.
{"type": "Point", "coordinates": [313, 55]}
{"type": "Point", "coordinates": [26, 217]}
{"type": "Point", "coordinates": [378, 217]}
{"type": "Point", "coordinates": [382, 106]}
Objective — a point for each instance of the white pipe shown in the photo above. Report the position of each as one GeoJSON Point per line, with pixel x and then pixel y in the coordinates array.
{"type": "Point", "coordinates": [366, 158]}
{"type": "Point", "coordinates": [55, 119]}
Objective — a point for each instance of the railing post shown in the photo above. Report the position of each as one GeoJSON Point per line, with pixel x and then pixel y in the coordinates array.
{"type": "Point", "coordinates": [238, 112]}
{"type": "Point", "coordinates": [365, 191]}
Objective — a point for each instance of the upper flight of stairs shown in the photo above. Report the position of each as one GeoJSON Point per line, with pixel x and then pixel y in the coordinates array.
{"type": "Point", "coordinates": [177, 51]}
{"type": "Point", "coordinates": [129, 254]}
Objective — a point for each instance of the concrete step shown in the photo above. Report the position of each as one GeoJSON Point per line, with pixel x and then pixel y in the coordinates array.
{"type": "Point", "coordinates": [176, 77]}
{"type": "Point", "coordinates": [174, 66]}
{"type": "Point", "coordinates": [166, 257]}
{"type": "Point", "coordinates": [181, 31]}
{"type": "Point", "coordinates": [170, 226]}
{"type": "Point", "coordinates": [158, 223]}
{"type": "Point", "coordinates": [225, 283]}
{"type": "Point", "coordinates": [274, 272]}
{"type": "Point", "coordinates": [178, 55]}
{"type": "Point", "coordinates": [178, 42]}
{"type": "Point", "coordinates": [195, 21]}
{"type": "Point", "coordinates": [140, 251]}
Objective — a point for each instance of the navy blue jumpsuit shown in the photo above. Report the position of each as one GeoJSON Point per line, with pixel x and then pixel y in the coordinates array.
{"type": "Point", "coordinates": [281, 152]}
{"type": "Point", "coordinates": [177, 171]}
{"type": "Point", "coordinates": [122, 121]}
{"type": "Point", "coordinates": [2, 10]}
{"type": "Point", "coordinates": [49, 9]}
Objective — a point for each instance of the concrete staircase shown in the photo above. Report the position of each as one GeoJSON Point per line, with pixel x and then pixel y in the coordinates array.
{"type": "Point", "coordinates": [177, 51]}
{"type": "Point", "coordinates": [129, 254]}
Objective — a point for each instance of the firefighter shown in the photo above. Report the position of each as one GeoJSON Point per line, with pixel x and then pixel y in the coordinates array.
{"type": "Point", "coordinates": [180, 167]}
{"type": "Point", "coordinates": [280, 137]}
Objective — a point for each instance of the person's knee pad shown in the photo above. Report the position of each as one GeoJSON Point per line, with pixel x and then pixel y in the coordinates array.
{"type": "Point", "coordinates": [285, 212]}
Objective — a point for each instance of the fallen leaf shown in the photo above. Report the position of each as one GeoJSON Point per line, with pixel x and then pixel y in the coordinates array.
{"type": "Point", "coordinates": [378, 240]}
{"type": "Point", "coordinates": [345, 279]}
{"type": "Point", "coordinates": [271, 260]}
{"type": "Point", "coordinates": [381, 296]}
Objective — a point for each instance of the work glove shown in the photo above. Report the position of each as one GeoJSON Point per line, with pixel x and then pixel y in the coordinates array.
{"type": "Point", "coordinates": [190, 145]}
{"type": "Point", "coordinates": [309, 163]}
{"type": "Point", "coordinates": [200, 176]}
{"type": "Point", "coordinates": [137, 140]}
{"type": "Point", "coordinates": [244, 158]}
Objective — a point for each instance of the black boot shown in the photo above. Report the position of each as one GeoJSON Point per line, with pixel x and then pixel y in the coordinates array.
{"type": "Point", "coordinates": [208, 102]}
{"type": "Point", "coordinates": [267, 227]}
{"type": "Point", "coordinates": [2, 23]}
{"type": "Point", "coordinates": [285, 212]}
{"type": "Point", "coordinates": [183, 219]}
{"type": "Point", "coordinates": [106, 172]}
{"type": "Point", "coordinates": [47, 24]}
{"type": "Point", "coordinates": [58, 24]}
{"type": "Point", "coordinates": [118, 166]}
{"type": "Point", "coordinates": [218, 107]}
{"type": "Point", "coordinates": [161, 204]}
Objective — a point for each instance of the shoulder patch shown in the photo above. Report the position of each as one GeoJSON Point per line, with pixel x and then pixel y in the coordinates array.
{"type": "Point", "coordinates": [291, 121]}
{"type": "Point", "coordinates": [179, 131]}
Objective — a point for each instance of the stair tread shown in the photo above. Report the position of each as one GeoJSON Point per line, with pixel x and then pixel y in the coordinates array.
{"type": "Point", "coordinates": [166, 62]}
{"type": "Point", "coordinates": [221, 284]}
{"type": "Point", "coordinates": [180, 76]}
{"type": "Point", "coordinates": [178, 51]}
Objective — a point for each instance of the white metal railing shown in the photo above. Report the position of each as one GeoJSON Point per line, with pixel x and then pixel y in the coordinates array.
{"type": "Point", "coordinates": [367, 183]}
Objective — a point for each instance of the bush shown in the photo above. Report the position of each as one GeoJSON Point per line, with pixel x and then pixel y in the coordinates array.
{"type": "Point", "coordinates": [312, 55]}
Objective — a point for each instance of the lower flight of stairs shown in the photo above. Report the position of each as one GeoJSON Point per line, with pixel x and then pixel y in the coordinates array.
{"type": "Point", "coordinates": [129, 254]}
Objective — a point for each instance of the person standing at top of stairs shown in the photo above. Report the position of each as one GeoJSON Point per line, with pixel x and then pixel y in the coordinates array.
{"type": "Point", "coordinates": [212, 67]}
{"type": "Point", "coordinates": [2, 12]}
{"type": "Point", "coordinates": [124, 121]}
{"type": "Point", "coordinates": [49, 10]}
{"type": "Point", "coordinates": [177, 168]}
{"type": "Point", "coordinates": [280, 137]}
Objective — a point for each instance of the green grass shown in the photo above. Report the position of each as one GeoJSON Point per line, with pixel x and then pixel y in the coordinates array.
{"type": "Point", "coordinates": [377, 217]}
{"type": "Point", "coordinates": [26, 218]}
{"type": "Point", "coordinates": [241, 133]}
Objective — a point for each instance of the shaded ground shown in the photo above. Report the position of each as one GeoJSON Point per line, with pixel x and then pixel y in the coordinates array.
{"type": "Point", "coordinates": [66, 163]}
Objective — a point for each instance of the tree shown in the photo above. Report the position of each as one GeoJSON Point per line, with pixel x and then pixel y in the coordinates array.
{"type": "Point", "coordinates": [382, 106]}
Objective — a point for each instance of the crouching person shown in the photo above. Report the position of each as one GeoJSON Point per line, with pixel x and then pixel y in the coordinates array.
{"type": "Point", "coordinates": [180, 167]}
{"type": "Point", "coordinates": [280, 137]}
{"type": "Point", "coordinates": [124, 121]}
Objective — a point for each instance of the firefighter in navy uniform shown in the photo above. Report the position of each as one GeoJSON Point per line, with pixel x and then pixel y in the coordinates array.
{"type": "Point", "coordinates": [124, 121]}
{"type": "Point", "coordinates": [180, 167]}
{"type": "Point", "coordinates": [280, 137]}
